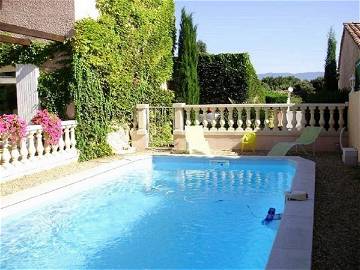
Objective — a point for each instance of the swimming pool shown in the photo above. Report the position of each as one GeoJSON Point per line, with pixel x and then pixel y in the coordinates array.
{"type": "Point", "coordinates": [161, 212]}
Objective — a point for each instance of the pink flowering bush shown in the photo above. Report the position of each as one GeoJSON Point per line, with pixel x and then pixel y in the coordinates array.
{"type": "Point", "coordinates": [12, 127]}
{"type": "Point", "coordinates": [51, 125]}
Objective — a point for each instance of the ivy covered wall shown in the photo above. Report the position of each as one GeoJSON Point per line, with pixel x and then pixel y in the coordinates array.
{"type": "Point", "coordinates": [119, 61]}
{"type": "Point", "coordinates": [114, 62]}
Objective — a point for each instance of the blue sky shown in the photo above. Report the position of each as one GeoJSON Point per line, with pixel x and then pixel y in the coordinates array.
{"type": "Point", "coordinates": [280, 36]}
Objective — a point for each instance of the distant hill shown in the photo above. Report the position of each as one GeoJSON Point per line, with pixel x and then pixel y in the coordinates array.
{"type": "Point", "coordinates": [301, 76]}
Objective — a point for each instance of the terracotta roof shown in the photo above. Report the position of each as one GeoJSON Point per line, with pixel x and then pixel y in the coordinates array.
{"type": "Point", "coordinates": [354, 31]}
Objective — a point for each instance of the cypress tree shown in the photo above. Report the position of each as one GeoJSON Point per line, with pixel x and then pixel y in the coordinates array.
{"type": "Point", "coordinates": [330, 76]}
{"type": "Point", "coordinates": [188, 89]}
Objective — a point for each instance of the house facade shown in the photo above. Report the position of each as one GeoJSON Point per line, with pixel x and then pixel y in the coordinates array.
{"type": "Point", "coordinates": [349, 64]}
{"type": "Point", "coordinates": [21, 21]}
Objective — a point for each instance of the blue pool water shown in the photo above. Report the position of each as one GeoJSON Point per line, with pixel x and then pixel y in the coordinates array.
{"type": "Point", "coordinates": [179, 212]}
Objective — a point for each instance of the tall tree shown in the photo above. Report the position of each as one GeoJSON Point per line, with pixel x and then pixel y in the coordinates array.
{"type": "Point", "coordinates": [188, 89]}
{"type": "Point", "coordinates": [330, 76]}
{"type": "Point", "coordinates": [202, 47]}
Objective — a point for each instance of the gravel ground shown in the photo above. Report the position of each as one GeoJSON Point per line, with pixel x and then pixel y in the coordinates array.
{"type": "Point", "coordinates": [336, 243]}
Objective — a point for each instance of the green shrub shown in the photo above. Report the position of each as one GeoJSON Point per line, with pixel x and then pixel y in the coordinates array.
{"type": "Point", "coordinates": [281, 97]}
{"type": "Point", "coordinates": [225, 76]}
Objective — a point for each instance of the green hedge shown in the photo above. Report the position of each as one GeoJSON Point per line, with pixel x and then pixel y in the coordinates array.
{"type": "Point", "coordinates": [281, 97]}
{"type": "Point", "coordinates": [225, 76]}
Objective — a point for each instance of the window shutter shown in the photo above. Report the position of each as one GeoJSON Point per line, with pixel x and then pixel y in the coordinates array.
{"type": "Point", "coordinates": [26, 91]}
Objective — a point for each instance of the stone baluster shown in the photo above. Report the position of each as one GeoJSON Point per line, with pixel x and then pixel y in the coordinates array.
{"type": "Point", "coordinates": [341, 117]}
{"type": "Point", "coordinates": [312, 116]}
{"type": "Point", "coordinates": [293, 120]}
{"type": "Point", "coordinates": [213, 121]}
{"type": "Point", "coordinates": [266, 120]}
{"type": "Point", "coordinates": [239, 120]}
{"type": "Point", "coordinates": [331, 119]}
{"type": "Point", "coordinates": [72, 137]}
{"type": "Point", "coordinates": [276, 119]}
{"type": "Point", "coordinates": [222, 119]}
{"type": "Point", "coordinates": [188, 116]}
{"type": "Point", "coordinates": [67, 139]}
{"type": "Point", "coordinates": [284, 119]}
{"type": "Point", "coordinates": [6, 153]}
{"type": "Point", "coordinates": [196, 114]}
{"type": "Point", "coordinates": [14, 154]}
{"type": "Point", "coordinates": [61, 143]}
{"type": "Point", "coordinates": [322, 119]}
{"type": "Point", "coordinates": [231, 119]}
{"type": "Point", "coordinates": [257, 119]}
{"type": "Point", "coordinates": [302, 123]}
{"type": "Point", "coordinates": [24, 150]}
{"type": "Point", "coordinates": [248, 119]}
{"type": "Point", "coordinates": [47, 147]}
{"type": "Point", "coordinates": [39, 143]}
{"type": "Point", "coordinates": [205, 121]}
{"type": "Point", "coordinates": [31, 140]}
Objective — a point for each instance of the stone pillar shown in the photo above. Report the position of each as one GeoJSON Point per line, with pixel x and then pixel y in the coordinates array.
{"type": "Point", "coordinates": [140, 137]}
{"type": "Point", "coordinates": [179, 127]}
{"type": "Point", "coordinates": [353, 121]}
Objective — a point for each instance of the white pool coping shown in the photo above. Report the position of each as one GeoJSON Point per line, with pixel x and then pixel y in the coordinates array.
{"type": "Point", "coordinates": [292, 247]}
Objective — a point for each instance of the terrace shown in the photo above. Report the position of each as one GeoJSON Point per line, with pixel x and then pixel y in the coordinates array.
{"type": "Point", "coordinates": [97, 169]}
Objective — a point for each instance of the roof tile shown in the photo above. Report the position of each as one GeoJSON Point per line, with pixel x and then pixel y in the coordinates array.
{"type": "Point", "coordinates": [354, 31]}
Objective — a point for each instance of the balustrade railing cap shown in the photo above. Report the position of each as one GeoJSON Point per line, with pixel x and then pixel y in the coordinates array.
{"type": "Point", "coordinates": [69, 123]}
{"type": "Point", "coordinates": [33, 128]}
{"type": "Point", "coordinates": [179, 105]}
{"type": "Point", "coordinates": [142, 106]}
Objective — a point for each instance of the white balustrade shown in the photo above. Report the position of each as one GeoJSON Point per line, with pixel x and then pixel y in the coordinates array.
{"type": "Point", "coordinates": [33, 147]}
{"type": "Point", "coordinates": [268, 118]}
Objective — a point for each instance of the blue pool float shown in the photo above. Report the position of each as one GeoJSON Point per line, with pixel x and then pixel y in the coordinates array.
{"type": "Point", "coordinates": [271, 216]}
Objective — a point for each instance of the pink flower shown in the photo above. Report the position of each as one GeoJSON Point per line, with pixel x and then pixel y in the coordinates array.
{"type": "Point", "coordinates": [12, 127]}
{"type": "Point", "coordinates": [51, 125]}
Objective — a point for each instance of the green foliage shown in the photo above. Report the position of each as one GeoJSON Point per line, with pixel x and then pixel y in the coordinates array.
{"type": "Point", "coordinates": [160, 135]}
{"type": "Point", "coordinates": [122, 60]}
{"type": "Point", "coordinates": [281, 97]}
{"type": "Point", "coordinates": [330, 76]}
{"type": "Point", "coordinates": [280, 83]}
{"type": "Point", "coordinates": [225, 76]}
{"type": "Point", "coordinates": [202, 47]}
{"type": "Point", "coordinates": [187, 62]}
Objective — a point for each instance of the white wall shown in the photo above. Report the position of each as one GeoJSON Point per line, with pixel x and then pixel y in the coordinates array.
{"type": "Point", "coordinates": [85, 8]}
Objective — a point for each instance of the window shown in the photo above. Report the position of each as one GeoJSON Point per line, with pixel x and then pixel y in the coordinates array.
{"type": "Point", "coordinates": [8, 103]}
{"type": "Point", "coordinates": [8, 95]}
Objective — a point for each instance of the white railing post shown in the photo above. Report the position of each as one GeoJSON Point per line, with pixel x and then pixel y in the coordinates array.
{"type": "Point", "coordinates": [188, 116]}
{"type": "Point", "coordinates": [23, 150]}
{"type": "Point", "coordinates": [312, 116]}
{"type": "Point", "coordinates": [322, 119]}
{"type": "Point", "coordinates": [331, 119]}
{"type": "Point", "coordinates": [248, 119]}
{"type": "Point", "coordinates": [293, 120]}
{"type": "Point", "coordinates": [31, 140]}
{"type": "Point", "coordinates": [213, 120]}
{"type": "Point", "coordinates": [239, 120]}
{"type": "Point", "coordinates": [257, 119]}
{"type": "Point", "coordinates": [179, 117]}
{"type": "Point", "coordinates": [266, 120]}
{"type": "Point", "coordinates": [302, 119]}
{"type": "Point", "coordinates": [204, 119]}
{"type": "Point", "coordinates": [231, 119]}
{"type": "Point", "coordinates": [222, 119]}
{"type": "Point", "coordinates": [6, 153]}
{"type": "Point", "coordinates": [72, 136]}
{"type": "Point", "coordinates": [61, 143]}
{"type": "Point", "coordinates": [39, 143]}
{"type": "Point", "coordinates": [67, 138]}
{"type": "Point", "coordinates": [284, 114]}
